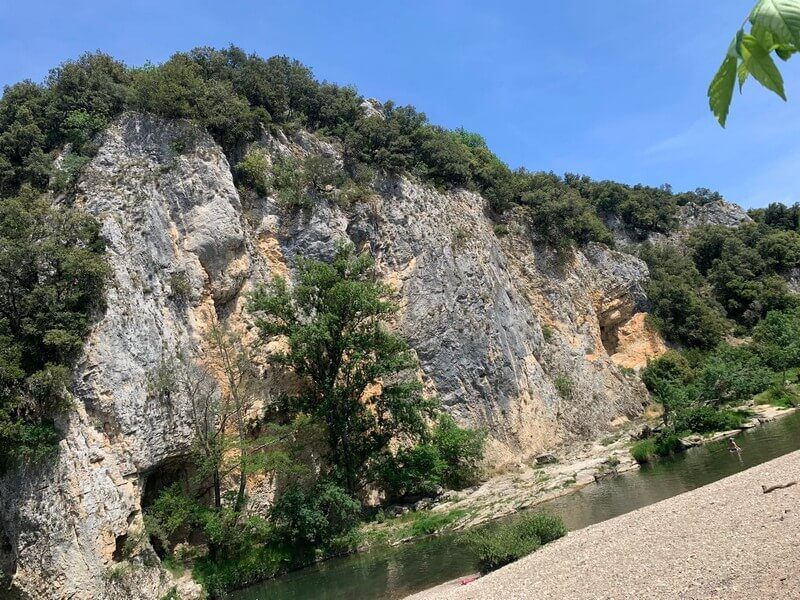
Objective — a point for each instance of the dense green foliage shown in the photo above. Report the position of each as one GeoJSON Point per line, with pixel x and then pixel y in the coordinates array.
{"type": "Point", "coordinates": [730, 279]}
{"type": "Point", "coordinates": [236, 96]}
{"type": "Point", "coordinates": [51, 279]}
{"type": "Point", "coordinates": [699, 389]}
{"type": "Point", "coordinates": [774, 26]}
{"type": "Point", "coordinates": [358, 378]}
{"type": "Point", "coordinates": [316, 517]}
{"type": "Point", "coordinates": [448, 457]}
{"type": "Point", "coordinates": [356, 396]}
{"type": "Point", "coordinates": [497, 545]}
{"type": "Point", "coordinates": [683, 308]}
{"type": "Point", "coordinates": [666, 443]}
{"type": "Point", "coordinates": [333, 319]}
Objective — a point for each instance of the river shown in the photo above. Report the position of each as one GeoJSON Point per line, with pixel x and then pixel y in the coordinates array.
{"type": "Point", "coordinates": [392, 573]}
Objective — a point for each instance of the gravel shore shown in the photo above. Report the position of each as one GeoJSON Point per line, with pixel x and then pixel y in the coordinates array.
{"type": "Point", "coordinates": [727, 540]}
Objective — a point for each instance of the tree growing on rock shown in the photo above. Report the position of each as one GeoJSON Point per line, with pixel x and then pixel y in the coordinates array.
{"type": "Point", "coordinates": [231, 441]}
{"type": "Point", "coordinates": [354, 370]}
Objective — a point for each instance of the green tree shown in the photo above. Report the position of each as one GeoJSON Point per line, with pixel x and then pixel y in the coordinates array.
{"type": "Point", "coordinates": [731, 374]}
{"type": "Point", "coordinates": [449, 456]}
{"type": "Point", "coordinates": [565, 219]}
{"type": "Point", "coordinates": [461, 449]}
{"type": "Point", "coordinates": [777, 340]}
{"type": "Point", "coordinates": [780, 250]}
{"type": "Point", "coordinates": [352, 367]}
{"type": "Point", "coordinates": [232, 442]}
{"type": "Point", "coordinates": [682, 308]}
{"type": "Point", "coordinates": [667, 377]}
{"type": "Point", "coordinates": [315, 517]}
{"type": "Point", "coordinates": [52, 277]}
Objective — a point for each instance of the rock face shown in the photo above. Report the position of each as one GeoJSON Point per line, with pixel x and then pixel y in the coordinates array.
{"type": "Point", "coordinates": [713, 213]}
{"type": "Point", "coordinates": [510, 336]}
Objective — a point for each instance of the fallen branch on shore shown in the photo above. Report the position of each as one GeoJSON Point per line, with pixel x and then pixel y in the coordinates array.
{"type": "Point", "coordinates": [780, 486]}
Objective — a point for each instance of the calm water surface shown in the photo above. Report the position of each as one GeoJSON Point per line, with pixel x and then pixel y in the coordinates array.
{"type": "Point", "coordinates": [392, 573]}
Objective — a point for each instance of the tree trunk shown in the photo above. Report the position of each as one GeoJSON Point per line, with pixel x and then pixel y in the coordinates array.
{"type": "Point", "coordinates": [217, 490]}
{"type": "Point", "coordinates": [242, 488]}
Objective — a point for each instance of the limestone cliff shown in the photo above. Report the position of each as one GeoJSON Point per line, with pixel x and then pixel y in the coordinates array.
{"type": "Point", "coordinates": [510, 336]}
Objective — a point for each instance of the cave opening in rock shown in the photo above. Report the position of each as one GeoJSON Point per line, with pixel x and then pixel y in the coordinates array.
{"type": "Point", "coordinates": [120, 551]}
{"type": "Point", "coordinates": [159, 478]}
{"type": "Point", "coordinates": [609, 335]}
{"type": "Point", "coordinates": [155, 481]}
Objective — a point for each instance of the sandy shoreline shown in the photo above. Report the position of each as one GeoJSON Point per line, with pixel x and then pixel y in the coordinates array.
{"type": "Point", "coordinates": [725, 540]}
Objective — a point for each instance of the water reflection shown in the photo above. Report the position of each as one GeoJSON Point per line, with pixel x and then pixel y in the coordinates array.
{"type": "Point", "coordinates": [396, 572]}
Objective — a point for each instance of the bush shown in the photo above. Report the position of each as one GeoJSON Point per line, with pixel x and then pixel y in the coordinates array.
{"type": "Point", "coordinates": [352, 193]}
{"type": "Point", "coordinates": [670, 368]}
{"type": "Point", "coordinates": [450, 458]}
{"type": "Point", "coordinates": [704, 419]}
{"type": "Point", "coordinates": [668, 443]}
{"type": "Point", "coordinates": [564, 386]}
{"type": "Point", "coordinates": [256, 563]}
{"type": "Point", "coordinates": [781, 395]}
{"type": "Point", "coordinates": [252, 171]}
{"type": "Point", "coordinates": [180, 286]}
{"type": "Point", "coordinates": [500, 230]}
{"type": "Point", "coordinates": [288, 183]}
{"type": "Point", "coordinates": [644, 450]}
{"type": "Point", "coordinates": [66, 176]}
{"type": "Point", "coordinates": [499, 545]}
{"type": "Point", "coordinates": [311, 518]}
{"type": "Point", "coordinates": [411, 471]}
{"type": "Point", "coordinates": [565, 218]}
{"type": "Point", "coordinates": [461, 449]}
{"type": "Point", "coordinates": [731, 374]}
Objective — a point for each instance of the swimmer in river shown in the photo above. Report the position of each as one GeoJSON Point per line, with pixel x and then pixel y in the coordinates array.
{"type": "Point", "coordinates": [733, 446]}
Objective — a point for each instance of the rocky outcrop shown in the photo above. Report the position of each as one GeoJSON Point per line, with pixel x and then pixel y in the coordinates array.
{"type": "Point", "coordinates": [718, 212]}
{"type": "Point", "coordinates": [509, 335]}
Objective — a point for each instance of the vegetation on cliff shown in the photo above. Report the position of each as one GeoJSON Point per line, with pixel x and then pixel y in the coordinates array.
{"type": "Point", "coordinates": [701, 390]}
{"type": "Point", "coordinates": [51, 280]}
{"type": "Point", "coordinates": [236, 96]}
{"type": "Point", "coordinates": [355, 423]}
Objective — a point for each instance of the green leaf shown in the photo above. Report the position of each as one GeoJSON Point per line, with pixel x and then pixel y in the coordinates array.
{"type": "Point", "coordinates": [781, 17]}
{"type": "Point", "coordinates": [742, 74]}
{"type": "Point", "coordinates": [720, 92]}
{"type": "Point", "coordinates": [764, 36]}
{"type": "Point", "coordinates": [761, 66]}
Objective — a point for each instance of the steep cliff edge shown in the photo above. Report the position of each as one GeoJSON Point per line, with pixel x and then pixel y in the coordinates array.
{"type": "Point", "coordinates": [510, 336]}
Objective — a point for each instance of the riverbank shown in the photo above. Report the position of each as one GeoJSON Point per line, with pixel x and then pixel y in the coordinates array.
{"type": "Point", "coordinates": [527, 485]}
{"type": "Point", "coordinates": [725, 540]}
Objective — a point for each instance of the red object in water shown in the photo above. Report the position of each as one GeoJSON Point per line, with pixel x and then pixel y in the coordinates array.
{"type": "Point", "coordinates": [467, 580]}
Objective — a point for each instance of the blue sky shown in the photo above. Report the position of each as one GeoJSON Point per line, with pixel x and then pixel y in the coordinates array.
{"type": "Point", "coordinates": [615, 90]}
